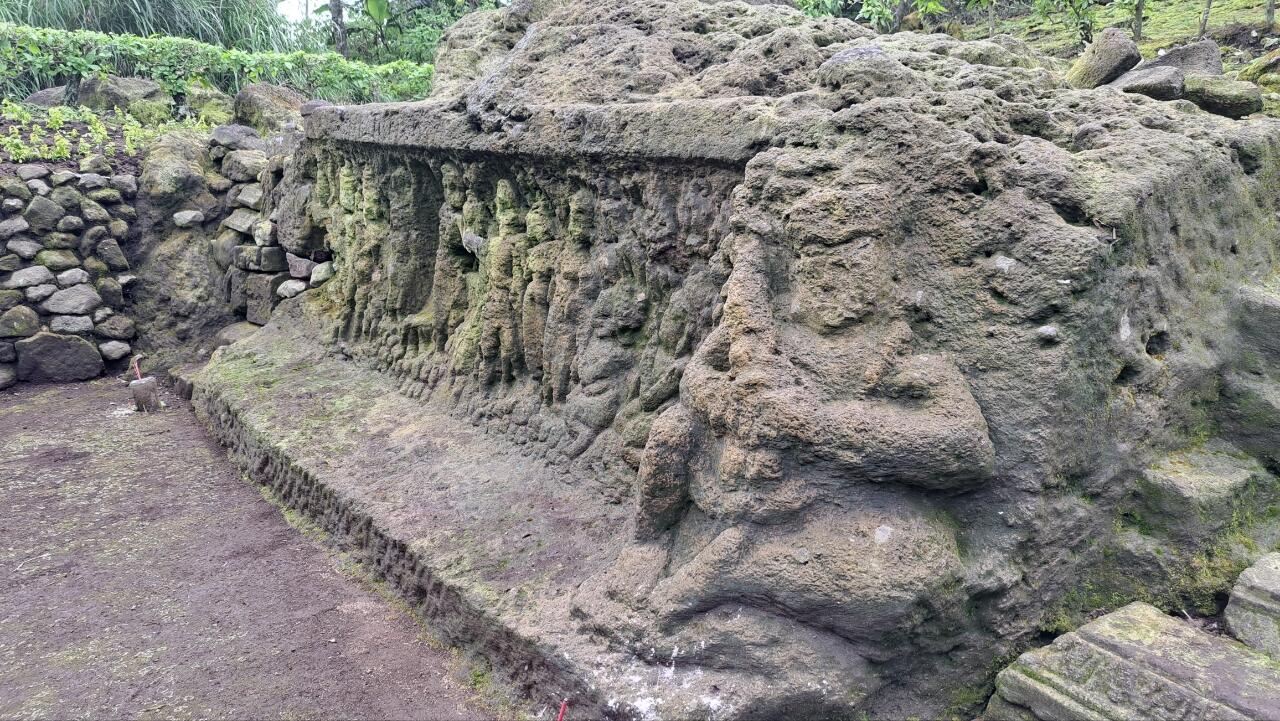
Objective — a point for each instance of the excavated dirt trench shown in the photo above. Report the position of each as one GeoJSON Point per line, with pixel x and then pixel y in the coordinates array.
{"type": "Point", "coordinates": [141, 577]}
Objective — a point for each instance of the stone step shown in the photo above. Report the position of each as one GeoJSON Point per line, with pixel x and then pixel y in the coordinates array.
{"type": "Point", "coordinates": [1253, 615]}
{"type": "Point", "coordinates": [1137, 664]}
{"type": "Point", "coordinates": [1192, 495]}
{"type": "Point", "coordinates": [1258, 317]}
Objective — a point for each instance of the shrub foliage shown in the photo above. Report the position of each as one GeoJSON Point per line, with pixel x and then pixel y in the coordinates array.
{"type": "Point", "coordinates": [32, 58]}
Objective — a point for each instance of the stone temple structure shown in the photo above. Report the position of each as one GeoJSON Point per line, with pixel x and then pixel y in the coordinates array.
{"type": "Point", "coordinates": [695, 359]}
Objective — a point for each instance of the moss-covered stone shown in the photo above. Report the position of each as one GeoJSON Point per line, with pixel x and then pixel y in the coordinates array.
{"type": "Point", "coordinates": [1138, 663]}
{"type": "Point", "coordinates": [1232, 98]}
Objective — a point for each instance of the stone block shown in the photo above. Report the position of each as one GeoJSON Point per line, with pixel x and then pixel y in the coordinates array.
{"type": "Point", "coordinates": [261, 296]}
{"type": "Point", "coordinates": [13, 226]}
{"type": "Point", "coordinates": [299, 267]}
{"type": "Point", "coordinates": [74, 324]}
{"type": "Point", "coordinates": [258, 259]}
{"type": "Point", "coordinates": [187, 218]}
{"type": "Point", "coordinates": [244, 165]}
{"type": "Point", "coordinates": [234, 288]}
{"type": "Point", "coordinates": [57, 260]}
{"type": "Point", "coordinates": [1138, 664]}
{"type": "Point", "coordinates": [241, 220]}
{"type": "Point", "coordinates": [114, 350]}
{"type": "Point", "coordinates": [1193, 495]}
{"type": "Point", "coordinates": [250, 196]}
{"type": "Point", "coordinates": [1253, 614]}
{"type": "Point", "coordinates": [1258, 317]}
{"type": "Point", "coordinates": [43, 214]}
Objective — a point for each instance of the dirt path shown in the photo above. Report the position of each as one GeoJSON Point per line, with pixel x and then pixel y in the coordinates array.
{"type": "Point", "coordinates": [140, 577]}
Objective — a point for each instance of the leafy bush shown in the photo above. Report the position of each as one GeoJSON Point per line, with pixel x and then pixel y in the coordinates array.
{"type": "Point", "coordinates": [387, 30]}
{"type": "Point", "coordinates": [49, 133]}
{"type": "Point", "coordinates": [34, 58]}
{"type": "Point", "coordinates": [1078, 15]}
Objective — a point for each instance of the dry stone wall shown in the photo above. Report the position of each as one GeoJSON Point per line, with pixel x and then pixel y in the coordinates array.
{"type": "Point", "coordinates": [64, 271]}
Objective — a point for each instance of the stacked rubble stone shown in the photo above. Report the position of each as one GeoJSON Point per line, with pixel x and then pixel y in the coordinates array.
{"type": "Point", "coordinates": [259, 273]}
{"type": "Point", "coordinates": [64, 273]}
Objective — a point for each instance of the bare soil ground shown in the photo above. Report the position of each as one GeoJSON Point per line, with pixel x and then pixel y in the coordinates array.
{"type": "Point", "coordinates": [140, 577]}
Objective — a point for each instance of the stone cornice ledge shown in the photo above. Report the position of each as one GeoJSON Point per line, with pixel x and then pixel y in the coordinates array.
{"type": "Point", "coordinates": [720, 131]}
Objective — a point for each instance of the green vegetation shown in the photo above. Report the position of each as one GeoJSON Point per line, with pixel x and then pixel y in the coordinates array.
{"type": "Point", "coordinates": [1166, 23]}
{"type": "Point", "coordinates": [34, 58]}
{"type": "Point", "coordinates": [62, 133]}
{"type": "Point", "coordinates": [382, 31]}
{"type": "Point", "coordinates": [248, 24]}
{"type": "Point", "coordinates": [1059, 27]}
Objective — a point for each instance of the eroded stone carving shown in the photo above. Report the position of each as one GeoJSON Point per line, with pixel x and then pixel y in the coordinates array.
{"type": "Point", "coordinates": [874, 337]}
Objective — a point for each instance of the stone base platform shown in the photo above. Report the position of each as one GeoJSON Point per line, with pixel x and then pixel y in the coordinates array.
{"type": "Point", "coordinates": [487, 544]}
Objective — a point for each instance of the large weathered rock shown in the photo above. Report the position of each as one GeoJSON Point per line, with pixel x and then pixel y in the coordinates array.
{"type": "Point", "coordinates": [1264, 71]}
{"type": "Point", "coordinates": [58, 358]}
{"type": "Point", "coordinates": [1110, 54]}
{"type": "Point", "coordinates": [145, 99]}
{"type": "Point", "coordinates": [1138, 663]}
{"type": "Point", "coordinates": [1161, 83]}
{"type": "Point", "coordinates": [208, 104]}
{"type": "Point", "coordinates": [173, 171]}
{"type": "Point", "coordinates": [848, 352]}
{"type": "Point", "coordinates": [1203, 57]}
{"type": "Point", "coordinates": [1194, 495]}
{"type": "Point", "coordinates": [1253, 613]}
{"type": "Point", "coordinates": [268, 108]}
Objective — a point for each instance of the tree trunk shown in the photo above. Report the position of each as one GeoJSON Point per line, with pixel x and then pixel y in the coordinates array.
{"type": "Point", "coordinates": [71, 96]}
{"type": "Point", "coordinates": [1271, 15]}
{"type": "Point", "coordinates": [1138, 9]}
{"type": "Point", "coordinates": [1204, 19]}
{"type": "Point", "coordinates": [339, 27]}
{"type": "Point", "coordinates": [991, 19]}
